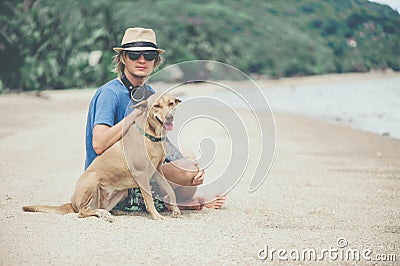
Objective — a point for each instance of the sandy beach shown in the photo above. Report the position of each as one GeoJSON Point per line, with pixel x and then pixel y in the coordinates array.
{"type": "Point", "coordinates": [328, 185]}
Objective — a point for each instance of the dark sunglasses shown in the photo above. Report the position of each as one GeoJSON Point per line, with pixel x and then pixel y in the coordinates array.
{"type": "Point", "coordinates": [148, 55]}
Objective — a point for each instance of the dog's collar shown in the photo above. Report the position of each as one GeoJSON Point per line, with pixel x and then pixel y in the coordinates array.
{"type": "Point", "coordinates": [150, 137]}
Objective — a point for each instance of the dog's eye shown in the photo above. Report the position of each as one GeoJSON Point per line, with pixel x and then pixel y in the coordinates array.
{"type": "Point", "coordinates": [157, 106]}
{"type": "Point", "coordinates": [171, 104]}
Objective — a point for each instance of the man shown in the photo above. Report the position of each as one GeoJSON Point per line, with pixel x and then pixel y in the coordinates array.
{"type": "Point", "coordinates": [110, 117]}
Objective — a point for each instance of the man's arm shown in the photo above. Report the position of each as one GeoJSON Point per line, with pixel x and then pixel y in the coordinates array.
{"type": "Point", "coordinates": [104, 136]}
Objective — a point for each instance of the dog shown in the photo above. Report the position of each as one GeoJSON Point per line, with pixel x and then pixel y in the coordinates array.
{"type": "Point", "coordinates": [129, 163]}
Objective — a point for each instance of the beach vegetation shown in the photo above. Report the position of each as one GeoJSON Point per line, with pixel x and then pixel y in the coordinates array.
{"type": "Point", "coordinates": [51, 44]}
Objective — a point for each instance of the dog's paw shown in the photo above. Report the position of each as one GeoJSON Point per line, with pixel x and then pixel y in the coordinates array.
{"type": "Point", "coordinates": [157, 216]}
{"type": "Point", "coordinates": [105, 215]}
{"type": "Point", "coordinates": [176, 212]}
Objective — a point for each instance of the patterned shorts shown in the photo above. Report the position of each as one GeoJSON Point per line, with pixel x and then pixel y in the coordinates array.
{"type": "Point", "coordinates": [134, 202]}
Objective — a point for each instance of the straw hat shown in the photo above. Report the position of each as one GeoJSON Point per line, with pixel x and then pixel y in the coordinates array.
{"type": "Point", "coordinates": [139, 39]}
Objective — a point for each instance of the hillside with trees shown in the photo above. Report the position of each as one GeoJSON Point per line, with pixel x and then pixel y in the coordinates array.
{"type": "Point", "coordinates": [48, 44]}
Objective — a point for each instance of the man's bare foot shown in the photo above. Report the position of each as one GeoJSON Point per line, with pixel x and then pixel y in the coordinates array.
{"type": "Point", "coordinates": [198, 204]}
{"type": "Point", "coordinates": [216, 203]}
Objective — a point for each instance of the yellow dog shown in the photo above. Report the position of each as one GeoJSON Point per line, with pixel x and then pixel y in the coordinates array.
{"type": "Point", "coordinates": [130, 162]}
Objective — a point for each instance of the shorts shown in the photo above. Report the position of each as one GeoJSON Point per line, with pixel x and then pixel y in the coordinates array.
{"type": "Point", "coordinates": [134, 202]}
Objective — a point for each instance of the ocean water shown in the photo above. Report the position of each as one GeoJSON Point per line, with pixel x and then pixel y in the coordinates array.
{"type": "Point", "coordinates": [371, 105]}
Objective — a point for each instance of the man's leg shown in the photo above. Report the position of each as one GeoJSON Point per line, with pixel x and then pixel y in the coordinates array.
{"type": "Point", "coordinates": [180, 174]}
{"type": "Point", "coordinates": [180, 170]}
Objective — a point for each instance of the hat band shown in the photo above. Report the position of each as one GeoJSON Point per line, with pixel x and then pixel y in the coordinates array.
{"type": "Point", "coordinates": [140, 44]}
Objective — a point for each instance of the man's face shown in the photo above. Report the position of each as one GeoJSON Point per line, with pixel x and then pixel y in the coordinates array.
{"type": "Point", "coordinates": [140, 64]}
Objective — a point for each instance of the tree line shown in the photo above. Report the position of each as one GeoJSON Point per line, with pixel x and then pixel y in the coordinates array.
{"type": "Point", "coordinates": [48, 44]}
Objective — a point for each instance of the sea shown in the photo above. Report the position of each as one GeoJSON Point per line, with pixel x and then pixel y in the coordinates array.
{"type": "Point", "coordinates": [371, 104]}
{"type": "Point", "coordinates": [363, 101]}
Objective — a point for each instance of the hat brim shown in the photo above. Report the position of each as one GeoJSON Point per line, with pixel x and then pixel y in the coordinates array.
{"type": "Point", "coordinates": [119, 49]}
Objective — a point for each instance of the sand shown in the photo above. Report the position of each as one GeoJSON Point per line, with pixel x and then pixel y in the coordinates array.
{"type": "Point", "coordinates": [327, 182]}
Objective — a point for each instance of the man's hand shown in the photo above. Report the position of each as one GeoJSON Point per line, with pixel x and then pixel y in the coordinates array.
{"type": "Point", "coordinates": [137, 112]}
{"type": "Point", "coordinates": [198, 179]}
{"type": "Point", "coordinates": [140, 108]}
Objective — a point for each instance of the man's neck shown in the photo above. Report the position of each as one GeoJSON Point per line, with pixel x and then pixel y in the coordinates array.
{"type": "Point", "coordinates": [134, 80]}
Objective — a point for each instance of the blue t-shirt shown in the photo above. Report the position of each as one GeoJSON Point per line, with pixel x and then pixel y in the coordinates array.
{"type": "Point", "coordinates": [109, 105]}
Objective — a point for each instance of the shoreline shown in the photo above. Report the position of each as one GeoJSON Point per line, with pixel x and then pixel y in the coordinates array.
{"type": "Point", "coordinates": [284, 81]}
{"type": "Point", "coordinates": [315, 79]}
{"type": "Point", "coordinates": [366, 101]}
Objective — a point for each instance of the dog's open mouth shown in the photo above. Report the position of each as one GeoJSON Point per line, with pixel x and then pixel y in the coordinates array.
{"type": "Point", "coordinates": [169, 123]}
{"type": "Point", "coordinates": [168, 126]}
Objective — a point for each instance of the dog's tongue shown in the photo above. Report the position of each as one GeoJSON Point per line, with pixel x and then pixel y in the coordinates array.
{"type": "Point", "coordinates": [168, 126]}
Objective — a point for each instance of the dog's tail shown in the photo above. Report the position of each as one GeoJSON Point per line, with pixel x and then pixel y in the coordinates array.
{"type": "Point", "coordinates": [63, 209]}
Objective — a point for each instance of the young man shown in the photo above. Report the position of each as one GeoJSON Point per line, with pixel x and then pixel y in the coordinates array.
{"type": "Point", "coordinates": [110, 116]}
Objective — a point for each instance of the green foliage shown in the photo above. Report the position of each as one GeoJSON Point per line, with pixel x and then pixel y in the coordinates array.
{"type": "Point", "coordinates": [47, 44]}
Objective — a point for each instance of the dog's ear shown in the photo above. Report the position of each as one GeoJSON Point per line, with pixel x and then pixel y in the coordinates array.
{"type": "Point", "coordinates": [142, 106]}
{"type": "Point", "coordinates": [177, 101]}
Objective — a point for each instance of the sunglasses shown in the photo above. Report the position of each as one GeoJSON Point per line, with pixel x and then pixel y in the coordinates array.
{"type": "Point", "coordinates": [148, 55]}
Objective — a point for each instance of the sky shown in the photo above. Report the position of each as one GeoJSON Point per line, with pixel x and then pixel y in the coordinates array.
{"type": "Point", "coordinates": [395, 4]}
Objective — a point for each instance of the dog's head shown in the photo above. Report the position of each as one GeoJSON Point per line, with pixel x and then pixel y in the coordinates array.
{"type": "Point", "coordinates": [160, 111]}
